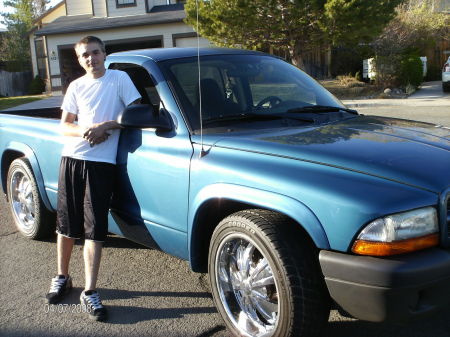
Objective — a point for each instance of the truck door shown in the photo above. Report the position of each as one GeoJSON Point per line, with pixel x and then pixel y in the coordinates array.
{"type": "Point", "coordinates": [150, 204]}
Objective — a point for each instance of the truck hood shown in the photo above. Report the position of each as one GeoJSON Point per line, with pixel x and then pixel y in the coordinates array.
{"type": "Point", "coordinates": [412, 153]}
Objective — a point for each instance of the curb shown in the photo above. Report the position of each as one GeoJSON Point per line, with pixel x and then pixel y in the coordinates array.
{"type": "Point", "coordinates": [412, 102]}
{"type": "Point", "coordinates": [365, 105]}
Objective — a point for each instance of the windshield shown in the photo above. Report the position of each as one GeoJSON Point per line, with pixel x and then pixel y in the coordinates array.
{"type": "Point", "coordinates": [238, 88]}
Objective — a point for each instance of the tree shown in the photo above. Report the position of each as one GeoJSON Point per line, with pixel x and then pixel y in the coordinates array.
{"type": "Point", "coordinates": [39, 7]}
{"type": "Point", "coordinates": [15, 46]}
{"type": "Point", "coordinates": [297, 26]}
{"type": "Point", "coordinates": [415, 28]}
{"type": "Point", "coordinates": [351, 21]}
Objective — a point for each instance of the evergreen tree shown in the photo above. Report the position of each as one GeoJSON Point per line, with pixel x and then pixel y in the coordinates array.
{"type": "Point", "coordinates": [15, 46]}
{"type": "Point", "coordinates": [297, 26]}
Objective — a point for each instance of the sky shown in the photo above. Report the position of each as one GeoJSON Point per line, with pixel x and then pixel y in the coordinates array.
{"type": "Point", "coordinates": [3, 9]}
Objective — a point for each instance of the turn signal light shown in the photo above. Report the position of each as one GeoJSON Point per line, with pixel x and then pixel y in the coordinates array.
{"type": "Point", "coordinates": [374, 248]}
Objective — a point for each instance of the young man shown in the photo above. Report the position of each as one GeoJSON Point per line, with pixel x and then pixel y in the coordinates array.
{"type": "Point", "coordinates": [87, 167]}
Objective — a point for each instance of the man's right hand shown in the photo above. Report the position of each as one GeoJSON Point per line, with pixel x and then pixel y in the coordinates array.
{"type": "Point", "coordinates": [96, 134]}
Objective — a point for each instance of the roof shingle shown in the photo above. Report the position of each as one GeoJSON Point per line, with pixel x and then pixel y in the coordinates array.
{"type": "Point", "coordinates": [83, 23]}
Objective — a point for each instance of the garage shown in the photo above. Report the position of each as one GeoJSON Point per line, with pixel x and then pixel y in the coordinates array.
{"type": "Point", "coordinates": [71, 70]}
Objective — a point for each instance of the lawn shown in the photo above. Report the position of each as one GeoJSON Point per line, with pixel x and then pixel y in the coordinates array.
{"type": "Point", "coordinates": [10, 102]}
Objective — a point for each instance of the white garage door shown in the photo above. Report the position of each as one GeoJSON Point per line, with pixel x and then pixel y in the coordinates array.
{"type": "Point", "coordinates": [191, 42]}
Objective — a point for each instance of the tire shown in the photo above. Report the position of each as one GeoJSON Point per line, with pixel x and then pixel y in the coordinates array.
{"type": "Point", "coordinates": [30, 215]}
{"type": "Point", "coordinates": [265, 278]}
{"type": "Point", "coordinates": [446, 87]}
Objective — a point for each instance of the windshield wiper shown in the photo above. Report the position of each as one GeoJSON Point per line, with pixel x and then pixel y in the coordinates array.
{"type": "Point", "coordinates": [320, 108]}
{"type": "Point", "coordinates": [252, 117]}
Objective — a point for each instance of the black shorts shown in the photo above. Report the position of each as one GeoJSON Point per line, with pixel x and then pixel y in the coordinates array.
{"type": "Point", "coordinates": [84, 195]}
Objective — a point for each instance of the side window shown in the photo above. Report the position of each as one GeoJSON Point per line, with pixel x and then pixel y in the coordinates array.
{"type": "Point", "coordinates": [269, 83]}
{"type": "Point", "coordinates": [142, 80]}
{"type": "Point", "coordinates": [187, 77]}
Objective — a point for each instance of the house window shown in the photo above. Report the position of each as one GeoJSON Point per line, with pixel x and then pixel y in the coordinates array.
{"type": "Point", "coordinates": [125, 3]}
{"type": "Point", "coordinates": [41, 58]}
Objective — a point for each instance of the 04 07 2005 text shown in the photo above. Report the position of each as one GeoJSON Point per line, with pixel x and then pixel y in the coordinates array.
{"type": "Point", "coordinates": [62, 308]}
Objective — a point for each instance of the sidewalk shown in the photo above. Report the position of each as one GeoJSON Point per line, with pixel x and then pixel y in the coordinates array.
{"type": "Point", "coordinates": [51, 102]}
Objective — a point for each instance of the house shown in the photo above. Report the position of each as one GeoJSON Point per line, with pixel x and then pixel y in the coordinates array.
{"type": "Point", "coordinates": [121, 24]}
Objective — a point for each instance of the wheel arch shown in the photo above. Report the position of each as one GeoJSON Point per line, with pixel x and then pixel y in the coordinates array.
{"type": "Point", "coordinates": [15, 150]}
{"type": "Point", "coordinates": [217, 201]}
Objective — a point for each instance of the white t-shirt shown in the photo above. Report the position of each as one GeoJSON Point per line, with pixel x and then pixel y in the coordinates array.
{"type": "Point", "coordinates": [94, 101]}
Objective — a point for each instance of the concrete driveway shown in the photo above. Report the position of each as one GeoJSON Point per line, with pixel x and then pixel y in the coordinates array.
{"type": "Point", "coordinates": [430, 91]}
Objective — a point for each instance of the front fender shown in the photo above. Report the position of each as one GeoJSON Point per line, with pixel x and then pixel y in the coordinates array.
{"type": "Point", "coordinates": [293, 208]}
{"type": "Point", "coordinates": [31, 156]}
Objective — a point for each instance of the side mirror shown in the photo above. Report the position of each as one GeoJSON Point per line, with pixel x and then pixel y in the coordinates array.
{"type": "Point", "coordinates": [142, 116]}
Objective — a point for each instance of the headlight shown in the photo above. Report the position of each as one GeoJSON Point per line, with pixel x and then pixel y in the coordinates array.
{"type": "Point", "coordinates": [399, 233]}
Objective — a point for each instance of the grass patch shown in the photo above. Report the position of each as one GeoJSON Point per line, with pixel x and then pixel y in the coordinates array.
{"type": "Point", "coordinates": [10, 102]}
{"type": "Point", "coordinates": [344, 88]}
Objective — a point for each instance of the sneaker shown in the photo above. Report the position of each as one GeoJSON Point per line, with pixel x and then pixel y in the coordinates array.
{"type": "Point", "coordinates": [59, 287]}
{"type": "Point", "coordinates": [90, 299]}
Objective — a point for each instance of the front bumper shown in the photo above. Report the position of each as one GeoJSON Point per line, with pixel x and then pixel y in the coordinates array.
{"type": "Point", "coordinates": [397, 288]}
{"type": "Point", "coordinates": [446, 77]}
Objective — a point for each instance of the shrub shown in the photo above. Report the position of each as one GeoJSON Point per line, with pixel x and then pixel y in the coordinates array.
{"type": "Point", "coordinates": [410, 89]}
{"type": "Point", "coordinates": [349, 81]}
{"type": "Point", "coordinates": [410, 71]}
{"type": "Point", "coordinates": [37, 86]}
{"type": "Point", "coordinates": [385, 67]}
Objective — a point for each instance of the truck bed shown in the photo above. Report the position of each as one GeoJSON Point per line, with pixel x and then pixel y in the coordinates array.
{"type": "Point", "coordinates": [52, 113]}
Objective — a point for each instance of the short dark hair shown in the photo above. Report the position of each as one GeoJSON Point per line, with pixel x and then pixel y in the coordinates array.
{"type": "Point", "coordinates": [90, 39]}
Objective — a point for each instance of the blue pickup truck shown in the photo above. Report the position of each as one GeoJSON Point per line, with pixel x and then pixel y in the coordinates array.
{"type": "Point", "coordinates": [246, 167]}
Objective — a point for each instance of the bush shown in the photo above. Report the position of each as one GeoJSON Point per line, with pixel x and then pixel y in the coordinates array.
{"type": "Point", "coordinates": [385, 67]}
{"type": "Point", "coordinates": [349, 81]}
{"type": "Point", "coordinates": [411, 71]}
{"type": "Point", "coordinates": [37, 86]}
{"type": "Point", "coordinates": [410, 89]}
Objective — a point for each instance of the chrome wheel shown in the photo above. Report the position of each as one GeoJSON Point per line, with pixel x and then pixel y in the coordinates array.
{"type": "Point", "coordinates": [247, 286]}
{"type": "Point", "coordinates": [265, 278]}
{"type": "Point", "coordinates": [22, 200]}
{"type": "Point", "coordinates": [31, 217]}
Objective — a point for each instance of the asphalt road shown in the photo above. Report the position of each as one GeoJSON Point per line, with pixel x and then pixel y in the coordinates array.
{"type": "Point", "coordinates": [147, 292]}
{"type": "Point", "coordinates": [431, 114]}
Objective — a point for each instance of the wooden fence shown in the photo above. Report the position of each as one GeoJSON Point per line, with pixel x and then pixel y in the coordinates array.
{"type": "Point", "coordinates": [15, 84]}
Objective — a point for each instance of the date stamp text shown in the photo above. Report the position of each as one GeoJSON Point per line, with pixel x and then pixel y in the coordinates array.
{"type": "Point", "coordinates": [63, 308]}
